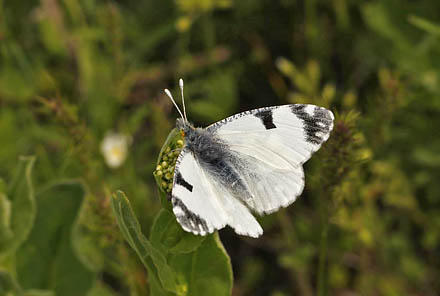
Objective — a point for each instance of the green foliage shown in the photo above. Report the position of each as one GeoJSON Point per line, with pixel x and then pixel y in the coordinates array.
{"type": "Point", "coordinates": [166, 162]}
{"type": "Point", "coordinates": [47, 260]}
{"type": "Point", "coordinates": [152, 259]}
{"type": "Point", "coordinates": [177, 262]}
{"type": "Point", "coordinates": [73, 72]}
{"type": "Point", "coordinates": [201, 264]}
{"type": "Point", "coordinates": [17, 208]}
{"type": "Point", "coordinates": [8, 286]}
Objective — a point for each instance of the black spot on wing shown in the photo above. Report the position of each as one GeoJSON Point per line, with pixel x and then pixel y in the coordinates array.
{"type": "Point", "coordinates": [266, 118]}
{"type": "Point", "coordinates": [317, 125]}
{"type": "Point", "coordinates": [182, 182]}
{"type": "Point", "coordinates": [188, 219]}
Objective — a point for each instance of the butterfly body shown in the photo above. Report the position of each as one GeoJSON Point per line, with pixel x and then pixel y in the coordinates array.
{"type": "Point", "coordinates": [214, 156]}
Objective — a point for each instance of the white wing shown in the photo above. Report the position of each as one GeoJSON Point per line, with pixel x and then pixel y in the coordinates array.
{"type": "Point", "coordinates": [202, 206]}
{"type": "Point", "coordinates": [272, 143]}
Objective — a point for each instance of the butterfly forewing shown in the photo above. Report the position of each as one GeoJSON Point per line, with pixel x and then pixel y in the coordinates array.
{"type": "Point", "coordinates": [193, 210]}
{"type": "Point", "coordinates": [294, 131]}
{"type": "Point", "coordinates": [202, 205]}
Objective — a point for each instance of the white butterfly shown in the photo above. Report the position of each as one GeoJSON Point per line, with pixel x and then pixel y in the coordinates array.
{"type": "Point", "coordinates": [251, 161]}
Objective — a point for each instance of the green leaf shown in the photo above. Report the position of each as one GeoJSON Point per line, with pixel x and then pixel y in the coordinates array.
{"type": "Point", "coordinates": [424, 24]}
{"type": "Point", "coordinates": [18, 213]}
{"type": "Point", "coordinates": [6, 233]}
{"type": "Point", "coordinates": [152, 258]}
{"type": "Point", "coordinates": [205, 271]}
{"type": "Point", "coordinates": [46, 260]}
{"type": "Point", "coordinates": [167, 235]}
{"type": "Point", "coordinates": [200, 262]}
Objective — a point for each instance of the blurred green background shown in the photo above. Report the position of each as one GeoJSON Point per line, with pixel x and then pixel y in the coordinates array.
{"type": "Point", "coordinates": [81, 90]}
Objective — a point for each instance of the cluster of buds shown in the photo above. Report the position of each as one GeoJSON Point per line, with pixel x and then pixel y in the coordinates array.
{"type": "Point", "coordinates": [164, 171]}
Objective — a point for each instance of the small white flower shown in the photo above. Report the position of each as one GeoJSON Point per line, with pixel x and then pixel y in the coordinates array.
{"type": "Point", "coordinates": [114, 148]}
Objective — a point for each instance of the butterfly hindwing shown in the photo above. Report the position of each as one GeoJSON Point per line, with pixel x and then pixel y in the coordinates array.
{"type": "Point", "coordinates": [271, 145]}
{"type": "Point", "coordinates": [270, 188]}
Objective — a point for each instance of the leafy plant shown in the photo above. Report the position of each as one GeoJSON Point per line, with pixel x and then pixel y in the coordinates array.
{"type": "Point", "coordinates": [178, 263]}
{"type": "Point", "coordinates": [73, 72]}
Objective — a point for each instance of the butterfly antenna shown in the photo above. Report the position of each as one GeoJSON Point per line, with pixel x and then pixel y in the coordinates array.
{"type": "Point", "coordinates": [167, 91]}
{"type": "Point", "coordinates": [183, 98]}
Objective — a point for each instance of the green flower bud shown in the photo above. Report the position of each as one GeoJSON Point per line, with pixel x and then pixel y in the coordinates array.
{"type": "Point", "coordinates": [164, 164]}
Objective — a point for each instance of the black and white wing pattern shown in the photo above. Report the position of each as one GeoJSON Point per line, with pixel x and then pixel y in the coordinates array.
{"type": "Point", "coordinates": [264, 151]}
{"type": "Point", "coordinates": [293, 132]}
{"type": "Point", "coordinates": [201, 206]}
{"type": "Point", "coordinates": [270, 145]}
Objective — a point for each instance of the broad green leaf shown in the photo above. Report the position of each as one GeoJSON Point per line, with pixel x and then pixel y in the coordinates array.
{"type": "Point", "coordinates": [152, 258]}
{"type": "Point", "coordinates": [202, 265]}
{"type": "Point", "coordinates": [168, 235]}
{"type": "Point", "coordinates": [18, 213]}
{"type": "Point", "coordinates": [46, 260]}
{"type": "Point", "coordinates": [87, 240]}
{"type": "Point", "coordinates": [205, 271]}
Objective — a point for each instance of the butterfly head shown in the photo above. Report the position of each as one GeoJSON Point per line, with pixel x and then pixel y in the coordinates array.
{"type": "Point", "coordinates": [186, 129]}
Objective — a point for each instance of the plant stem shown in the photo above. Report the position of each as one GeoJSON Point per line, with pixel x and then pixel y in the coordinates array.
{"type": "Point", "coordinates": [299, 277]}
{"type": "Point", "coordinates": [322, 289]}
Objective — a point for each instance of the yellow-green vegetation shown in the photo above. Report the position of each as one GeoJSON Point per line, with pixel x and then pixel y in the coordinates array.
{"type": "Point", "coordinates": [166, 162]}
{"type": "Point", "coordinates": [83, 115]}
